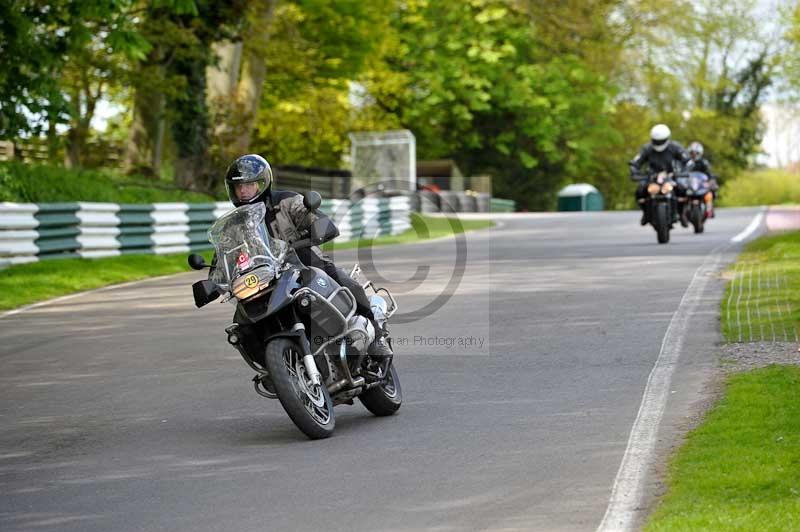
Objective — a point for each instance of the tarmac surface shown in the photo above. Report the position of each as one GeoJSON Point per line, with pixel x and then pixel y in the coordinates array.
{"type": "Point", "coordinates": [523, 353]}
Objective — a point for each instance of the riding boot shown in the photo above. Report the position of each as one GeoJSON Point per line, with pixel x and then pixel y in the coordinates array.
{"type": "Point", "coordinates": [380, 350]}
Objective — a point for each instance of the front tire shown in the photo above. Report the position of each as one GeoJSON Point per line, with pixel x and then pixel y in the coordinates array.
{"type": "Point", "coordinates": [385, 399]}
{"type": "Point", "coordinates": [308, 405]}
{"type": "Point", "coordinates": [662, 222]}
{"type": "Point", "coordinates": [697, 218]}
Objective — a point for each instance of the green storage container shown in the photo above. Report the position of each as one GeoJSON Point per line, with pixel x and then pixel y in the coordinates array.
{"type": "Point", "coordinates": [580, 197]}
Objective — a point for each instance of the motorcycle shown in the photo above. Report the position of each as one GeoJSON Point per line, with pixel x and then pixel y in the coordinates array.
{"type": "Point", "coordinates": [699, 200]}
{"type": "Point", "coordinates": [297, 328]}
{"type": "Point", "coordinates": [660, 203]}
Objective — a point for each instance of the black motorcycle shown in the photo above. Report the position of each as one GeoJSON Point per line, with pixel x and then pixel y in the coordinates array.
{"type": "Point", "coordinates": [699, 199]}
{"type": "Point", "coordinates": [296, 326]}
{"type": "Point", "coordinates": [660, 203]}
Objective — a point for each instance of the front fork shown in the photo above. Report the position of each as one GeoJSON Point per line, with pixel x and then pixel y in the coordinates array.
{"type": "Point", "coordinates": [308, 356]}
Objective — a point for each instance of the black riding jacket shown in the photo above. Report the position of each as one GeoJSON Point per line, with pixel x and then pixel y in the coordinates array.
{"type": "Point", "coordinates": [287, 219]}
{"type": "Point", "coordinates": [673, 158]}
{"type": "Point", "coordinates": [702, 165]}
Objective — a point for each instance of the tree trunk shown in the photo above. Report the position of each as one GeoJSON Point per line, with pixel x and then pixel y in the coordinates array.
{"type": "Point", "coordinates": [248, 96]}
{"type": "Point", "coordinates": [52, 135]}
{"type": "Point", "coordinates": [254, 71]}
{"type": "Point", "coordinates": [76, 145]}
{"type": "Point", "coordinates": [190, 127]}
{"type": "Point", "coordinates": [221, 78]}
{"type": "Point", "coordinates": [145, 143]}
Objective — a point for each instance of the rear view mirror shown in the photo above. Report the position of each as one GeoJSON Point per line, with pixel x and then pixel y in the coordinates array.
{"type": "Point", "coordinates": [312, 201]}
{"type": "Point", "coordinates": [205, 292]}
{"type": "Point", "coordinates": [197, 262]}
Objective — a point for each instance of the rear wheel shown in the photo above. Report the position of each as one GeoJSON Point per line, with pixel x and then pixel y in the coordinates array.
{"type": "Point", "coordinates": [662, 223]}
{"type": "Point", "coordinates": [308, 405]}
{"type": "Point", "coordinates": [386, 398]}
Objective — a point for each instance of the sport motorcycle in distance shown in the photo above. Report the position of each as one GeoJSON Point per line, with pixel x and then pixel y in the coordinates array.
{"type": "Point", "coordinates": [304, 340]}
{"type": "Point", "coordinates": [660, 203]}
{"type": "Point", "coordinates": [699, 199]}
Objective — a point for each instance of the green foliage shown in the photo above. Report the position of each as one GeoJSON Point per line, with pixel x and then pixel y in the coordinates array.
{"type": "Point", "coordinates": [30, 85]}
{"type": "Point", "coordinates": [51, 184]}
{"type": "Point", "coordinates": [92, 37]}
{"type": "Point", "coordinates": [791, 61]}
{"type": "Point", "coordinates": [315, 48]}
{"type": "Point", "coordinates": [535, 94]}
{"type": "Point", "coordinates": [762, 187]}
{"type": "Point", "coordinates": [738, 470]}
{"type": "Point", "coordinates": [471, 82]}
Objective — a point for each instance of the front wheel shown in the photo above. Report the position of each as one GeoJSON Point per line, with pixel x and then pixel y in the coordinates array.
{"type": "Point", "coordinates": [386, 398]}
{"type": "Point", "coordinates": [662, 222]}
{"type": "Point", "coordinates": [308, 405]}
{"type": "Point", "coordinates": [697, 218]}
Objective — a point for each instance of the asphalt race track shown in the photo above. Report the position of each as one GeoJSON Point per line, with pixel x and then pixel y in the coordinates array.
{"type": "Point", "coordinates": [523, 362]}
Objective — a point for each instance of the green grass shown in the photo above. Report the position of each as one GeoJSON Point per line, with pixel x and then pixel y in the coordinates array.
{"type": "Point", "coordinates": [30, 183]}
{"type": "Point", "coordinates": [23, 284]}
{"type": "Point", "coordinates": [28, 283]}
{"type": "Point", "coordinates": [763, 187]}
{"type": "Point", "coordinates": [762, 302]}
{"type": "Point", "coordinates": [740, 469]}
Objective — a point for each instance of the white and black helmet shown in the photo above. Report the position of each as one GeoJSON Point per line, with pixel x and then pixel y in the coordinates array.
{"type": "Point", "coordinates": [659, 137]}
{"type": "Point", "coordinates": [695, 150]}
{"type": "Point", "coordinates": [250, 168]}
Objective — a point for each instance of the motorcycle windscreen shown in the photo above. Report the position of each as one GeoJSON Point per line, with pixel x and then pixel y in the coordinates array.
{"type": "Point", "coordinates": [697, 181]}
{"type": "Point", "coordinates": [243, 244]}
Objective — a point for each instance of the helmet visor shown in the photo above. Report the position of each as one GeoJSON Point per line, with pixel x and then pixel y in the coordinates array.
{"type": "Point", "coordinates": [659, 142]}
{"type": "Point", "coordinates": [241, 192]}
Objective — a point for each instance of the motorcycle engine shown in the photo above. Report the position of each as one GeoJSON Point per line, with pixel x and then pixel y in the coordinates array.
{"type": "Point", "coordinates": [364, 334]}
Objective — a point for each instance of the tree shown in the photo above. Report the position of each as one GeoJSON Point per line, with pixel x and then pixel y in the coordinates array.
{"type": "Point", "coordinates": [29, 90]}
{"type": "Point", "coordinates": [74, 50]}
{"type": "Point", "coordinates": [473, 83]}
{"type": "Point", "coordinates": [317, 49]}
{"type": "Point", "coordinates": [173, 91]}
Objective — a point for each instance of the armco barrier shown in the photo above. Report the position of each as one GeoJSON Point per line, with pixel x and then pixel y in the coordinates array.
{"type": "Point", "coordinates": [502, 205]}
{"type": "Point", "coordinates": [32, 232]}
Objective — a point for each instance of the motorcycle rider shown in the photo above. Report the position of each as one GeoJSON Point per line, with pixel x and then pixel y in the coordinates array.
{"type": "Point", "coordinates": [701, 164]}
{"type": "Point", "coordinates": [659, 155]}
{"type": "Point", "coordinates": [248, 180]}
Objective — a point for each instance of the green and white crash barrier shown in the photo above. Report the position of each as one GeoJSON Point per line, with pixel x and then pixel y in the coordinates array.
{"type": "Point", "coordinates": [31, 232]}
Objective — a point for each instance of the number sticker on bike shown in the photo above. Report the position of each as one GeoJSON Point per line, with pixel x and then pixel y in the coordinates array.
{"type": "Point", "coordinates": [251, 280]}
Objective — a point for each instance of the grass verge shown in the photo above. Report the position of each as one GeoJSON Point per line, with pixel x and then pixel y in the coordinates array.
{"type": "Point", "coordinates": [28, 283]}
{"type": "Point", "coordinates": [740, 469]}
{"type": "Point", "coordinates": [36, 183]}
{"type": "Point", "coordinates": [762, 302]}
{"type": "Point", "coordinates": [762, 187]}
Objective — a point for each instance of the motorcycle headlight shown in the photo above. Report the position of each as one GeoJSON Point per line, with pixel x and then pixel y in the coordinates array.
{"type": "Point", "coordinates": [653, 188]}
{"type": "Point", "coordinates": [666, 188]}
{"type": "Point", "coordinates": [250, 284]}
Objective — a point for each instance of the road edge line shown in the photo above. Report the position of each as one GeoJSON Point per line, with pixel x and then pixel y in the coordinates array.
{"type": "Point", "coordinates": [747, 231]}
{"type": "Point", "coordinates": [626, 493]}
